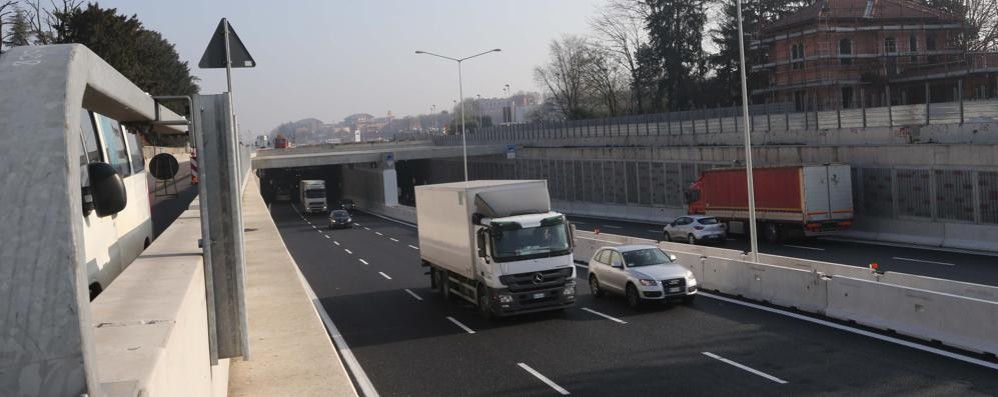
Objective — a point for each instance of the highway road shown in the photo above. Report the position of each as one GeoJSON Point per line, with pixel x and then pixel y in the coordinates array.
{"type": "Point", "coordinates": [409, 341]}
{"type": "Point", "coordinates": [959, 266]}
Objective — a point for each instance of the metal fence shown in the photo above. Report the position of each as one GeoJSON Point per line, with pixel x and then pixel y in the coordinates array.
{"type": "Point", "coordinates": [729, 120]}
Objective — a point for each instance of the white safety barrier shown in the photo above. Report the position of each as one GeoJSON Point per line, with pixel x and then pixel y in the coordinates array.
{"type": "Point", "coordinates": [957, 314]}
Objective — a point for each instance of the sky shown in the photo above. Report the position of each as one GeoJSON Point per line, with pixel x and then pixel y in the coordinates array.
{"type": "Point", "coordinates": [332, 58]}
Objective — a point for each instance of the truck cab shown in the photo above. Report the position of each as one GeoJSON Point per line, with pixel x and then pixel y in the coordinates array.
{"type": "Point", "coordinates": [312, 195]}
{"type": "Point", "coordinates": [527, 263]}
{"type": "Point", "coordinates": [694, 199]}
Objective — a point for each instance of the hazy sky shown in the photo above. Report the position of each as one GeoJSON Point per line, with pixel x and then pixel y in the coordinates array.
{"type": "Point", "coordinates": [329, 59]}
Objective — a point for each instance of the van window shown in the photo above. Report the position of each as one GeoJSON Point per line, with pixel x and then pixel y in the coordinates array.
{"type": "Point", "coordinates": [90, 148]}
{"type": "Point", "coordinates": [114, 142]}
{"type": "Point", "coordinates": [135, 149]}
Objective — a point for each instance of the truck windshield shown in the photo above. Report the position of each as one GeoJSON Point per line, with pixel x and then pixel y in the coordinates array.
{"type": "Point", "coordinates": [533, 242]}
{"type": "Point", "coordinates": [315, 193]}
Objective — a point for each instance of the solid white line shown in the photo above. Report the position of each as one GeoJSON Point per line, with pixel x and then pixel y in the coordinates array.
{"type": "Point", "coordinates": [378, 233]}
{"type": "Point", "coordinates": [659, 231]}
{"type": "Point", "coordinates": [458, 323]}
{"type": "Point", "coordinates": [413, 294]}
{"type": "Point", "coordinates": [313, 227]}
{"type": "Point", "coordinates": [348, 251]}
{"type": "Point", "coordinates": [337, 339]}
{"type": "Point", "coordinates": [585, 266]}
{"type": "Point", "coordinates": [544, 379]}
{"type": "Point", "coordinates": [338, 243]}
{"type": "Point", "coordinates": [912, 246]}
{"type": "Point", "coordinates": [327, 236]}
{"type": "Point", "coordinates": [873, 335]}
{"type": "Point", "coordinates": [356, 224]}
{"type": "Point", "coordinates": [604, 315]}
{"type": "Point", "coordinates": [397, 240]}
{"type": "Point", "coordinates": [924, 261]}
{"type": "Point", "coordinates": [747, 368]}
{"type": "Point", "coordinates": [803, 247]}
{"type": "Point", "coordinates": [613, 227]}
{"type": "Point", "coordinates": [413, 247]}
{"type": "Point", "coordinates": [363, 261]}
{"type": "Point", "coordinates": [385, 275]}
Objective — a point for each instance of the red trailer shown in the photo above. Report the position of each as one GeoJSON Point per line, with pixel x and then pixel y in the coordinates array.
{"type": "Point", "coordinates": [280, 142]}
{"type": "Point", "coordinates": [791, 201]}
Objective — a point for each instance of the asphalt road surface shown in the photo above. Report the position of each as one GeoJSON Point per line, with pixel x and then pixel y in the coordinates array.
{"type": "Point", "coordinates": [959, 266]}
{"type": "Point", "coordinates": [410, 342]}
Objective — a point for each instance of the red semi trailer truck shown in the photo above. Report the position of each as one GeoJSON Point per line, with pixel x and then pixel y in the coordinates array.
{"type": "Point", "coordinates": [791, 201]}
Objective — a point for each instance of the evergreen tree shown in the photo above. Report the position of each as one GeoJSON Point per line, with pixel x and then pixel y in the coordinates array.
{"type": "Point", "coordinates": [675, 30]}
{"type": "Point", "coordinates": [19, 33]}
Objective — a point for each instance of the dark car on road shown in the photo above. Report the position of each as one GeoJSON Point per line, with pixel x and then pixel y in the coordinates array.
{"type": "Point", "coordinates": [339, 219]}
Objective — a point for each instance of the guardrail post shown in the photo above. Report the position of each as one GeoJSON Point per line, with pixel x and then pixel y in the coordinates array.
{"type": "Point", "coordinates": [890, 112]}
{"type": "Point", "coordinates": [959, 90]}
{"type": "Point", "coordinates": [693, 120]}
{"type": "Point", "coordinates": [720, 120]}
{"type": "Point", "coordinates": [928, 99]}
{"type": "Point", "coordinates": [668, 123]}
{"type": "Point", "coordinates": [706, 120]}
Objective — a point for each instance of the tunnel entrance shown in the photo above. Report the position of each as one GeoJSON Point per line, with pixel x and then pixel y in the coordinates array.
{"type": "Point", "coordinates": [281, 184]}
{"type": "Point", "coordinates": [411, 173]}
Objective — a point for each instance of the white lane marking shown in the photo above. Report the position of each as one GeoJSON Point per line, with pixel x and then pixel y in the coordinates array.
{"type": "Point", "coordinates": [385, 275]}
{"type": "Point", "coordinates": [458, 323]}
{"type": "Point", "coordinates": [612, 227]}
{"type": "Point", "coordinates": [746, 368]}
{"type": "Point", "coordinates": [803, 247]}
{"type": "Point", "coordinates": [337, 338]}
{"type": "Point", "coordinates": [873, 335]}
{"type": "Point", "coordinates": [413, 247]}
{"type": "Point", "coordinates": [659, 231]}
{"type": "Point", "coordinates": [313, 227]}
{"type": "Point", "coordinates": [581, 265]}
{"type": "Point", "coordinates": [348, 251]}
{"type": "Point", "coordinates": [327, 236]}
{"type": "Point", "coordinates": [924, 261]}
{"type": "Point", "coordinates": [378, 233]}
{"type": "Point", "coordinates": [611, 318]}
{"type": "Point", "coordinates": [393, 239]}
{"type": "Point", "coordinates": [544, 379]}
{"type": "Point", "coordinates": [363, 261]}
{"type": "Point", "coordinates": [356, 224]}
{"type": "Point", "coordinates": [338, 243]}
{"type": "Point", "coordinates": [366, 228]}
{"type": "Point", "coordinates": [409, 291]}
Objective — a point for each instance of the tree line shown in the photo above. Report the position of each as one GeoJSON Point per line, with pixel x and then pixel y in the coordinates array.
{"type": "Point", "coordinates": [141, 54]}
{"type": "Point", "coordinates": [650, 56]}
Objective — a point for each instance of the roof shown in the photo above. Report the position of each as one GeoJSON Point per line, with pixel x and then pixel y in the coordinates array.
{"type": "Point", "coordinates": [633, 247]}
{"type": "Point", "coordinates": [870, 10]}
{"type": "Point", "coordinates": [477, 184]}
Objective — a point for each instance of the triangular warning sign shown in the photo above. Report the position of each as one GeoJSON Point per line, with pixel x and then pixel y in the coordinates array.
{"type": "Point", "coordinates": [214, 55]}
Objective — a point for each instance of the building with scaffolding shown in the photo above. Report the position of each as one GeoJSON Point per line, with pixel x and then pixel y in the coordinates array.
{"type": "Point", "coordinates": [849, 54]}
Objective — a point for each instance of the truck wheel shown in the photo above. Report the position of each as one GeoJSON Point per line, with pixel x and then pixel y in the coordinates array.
{"type": "Point", "coordinates": [594, 286]}
{"type": "Point", "coordinates": [691, 239]}
{"type": "Point", "coordinates": [434, 278]}
{"type": "Point", "coordinates": [444, 284]}
{"type": "Point", "coordinates": [633, 299]}
{"type": "Point", "coordinates": [771, 232]}
{"type": "Point", "coordinates": [483, 304]}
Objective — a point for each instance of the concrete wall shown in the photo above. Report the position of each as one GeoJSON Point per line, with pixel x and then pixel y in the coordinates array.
{"type": "Point", "coordinates": [377, 185]}
{"type": "Point", "coordinates": [150, 324]}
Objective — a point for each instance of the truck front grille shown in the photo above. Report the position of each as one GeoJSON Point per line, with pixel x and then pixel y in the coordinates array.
{"type": "Point", "coordinates": [535, 280]}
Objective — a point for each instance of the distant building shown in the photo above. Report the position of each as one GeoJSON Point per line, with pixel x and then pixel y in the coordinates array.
{"type": "Point", "coordinates": [503, 110]}
{"type": "Point", "coordinates": [837, 53]}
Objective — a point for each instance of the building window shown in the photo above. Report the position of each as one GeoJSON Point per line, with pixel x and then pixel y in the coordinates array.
{"type": "Point", "coordinates": [890, 46]}
{"type": "Point", "coordinates": [797, 56]}
{"type": "Point", "coordinates": [913, 48]}
{"type": "Point", "coordinates": [847, 97]}
{"type": "Point", "coordinates": [930, 46]}
{"type": "Point", "coordinates": [845, 52]}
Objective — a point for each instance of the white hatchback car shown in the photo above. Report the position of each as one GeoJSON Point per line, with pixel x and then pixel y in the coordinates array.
{"type": "Point", "coordinates": [695, 229]}
{"type": "Point", "coordinates": [641, 273]}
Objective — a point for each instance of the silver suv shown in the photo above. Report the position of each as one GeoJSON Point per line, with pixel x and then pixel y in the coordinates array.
{"type": "Point", "coordinates": [641, 273]}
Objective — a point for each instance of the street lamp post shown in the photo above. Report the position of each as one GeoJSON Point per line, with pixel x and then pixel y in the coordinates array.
{"type": "Point", "coordinates": [753, 239]}
{"type": "Point", "coordinates": [460, 87]}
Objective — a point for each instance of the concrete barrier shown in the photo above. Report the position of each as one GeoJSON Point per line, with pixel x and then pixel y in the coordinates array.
{"type": "Point", "coordinates": [150, 325]}
{"type": "Point", "coordinates": [966, 323]}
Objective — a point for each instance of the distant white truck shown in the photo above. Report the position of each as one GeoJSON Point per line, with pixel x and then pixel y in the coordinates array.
{"type": "Point", "coordinates": [496, 244]}
{"type": "Point", "coordinates": [312, 196]}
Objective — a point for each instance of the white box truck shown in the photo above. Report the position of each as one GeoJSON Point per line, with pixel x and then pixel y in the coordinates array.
{"type": "Point", "coordinates": [312, 196]}
{"type": "Point", "coordinates": [496, 244]}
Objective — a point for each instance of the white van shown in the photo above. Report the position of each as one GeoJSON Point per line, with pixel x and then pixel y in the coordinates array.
{"type": "Point", "coordinates": [114, 241]}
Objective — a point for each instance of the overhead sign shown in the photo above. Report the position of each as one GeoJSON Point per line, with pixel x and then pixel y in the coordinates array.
{"type": "Point", "coordinates": [389, 160]}
{"type": "Point", "coordinates": [214, 55]}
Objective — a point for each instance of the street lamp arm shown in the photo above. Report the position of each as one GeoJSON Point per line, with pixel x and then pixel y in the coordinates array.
{"type": "Point", "coordinates": [478, 55]}
{"type": "Point", "coordinates": [439, 56]}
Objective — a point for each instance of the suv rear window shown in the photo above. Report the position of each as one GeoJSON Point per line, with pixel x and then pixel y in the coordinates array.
{"type": "Point", "coordinates": [708, 221]}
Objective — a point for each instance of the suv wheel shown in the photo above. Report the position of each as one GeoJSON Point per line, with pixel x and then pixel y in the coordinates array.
{"type": "Point", "coordinates": [594, 286]}
{"type": "Point", "coordinates": [633, 299]}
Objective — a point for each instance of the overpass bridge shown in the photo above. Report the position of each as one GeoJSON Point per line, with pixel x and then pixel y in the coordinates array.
{"type": "Point", "coordinates": [245, 295]}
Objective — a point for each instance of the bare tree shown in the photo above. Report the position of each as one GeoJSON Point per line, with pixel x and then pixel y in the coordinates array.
{"type": "Point", "coordinates": [565, 76]}
{"type": "Point", "coordinates": [620, 28]}
{"type": "Point", "coordinates": [605, 79]}
{"type": "Point", "coordinates": [7, 9]}
{"type": "Point", "coordinates": [982, 16]}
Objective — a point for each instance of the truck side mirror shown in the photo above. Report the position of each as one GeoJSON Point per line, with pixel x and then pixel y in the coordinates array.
{"type": "Point", "coordinates": [107, 189]}
{"type": "Point", "coordinates": [481, 244]}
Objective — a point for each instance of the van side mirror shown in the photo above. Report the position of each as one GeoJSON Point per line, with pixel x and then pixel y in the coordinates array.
{"type": "Point", "coordinates": [107, 189]}
{"type": "Point", "coordinates": [481, 244]}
